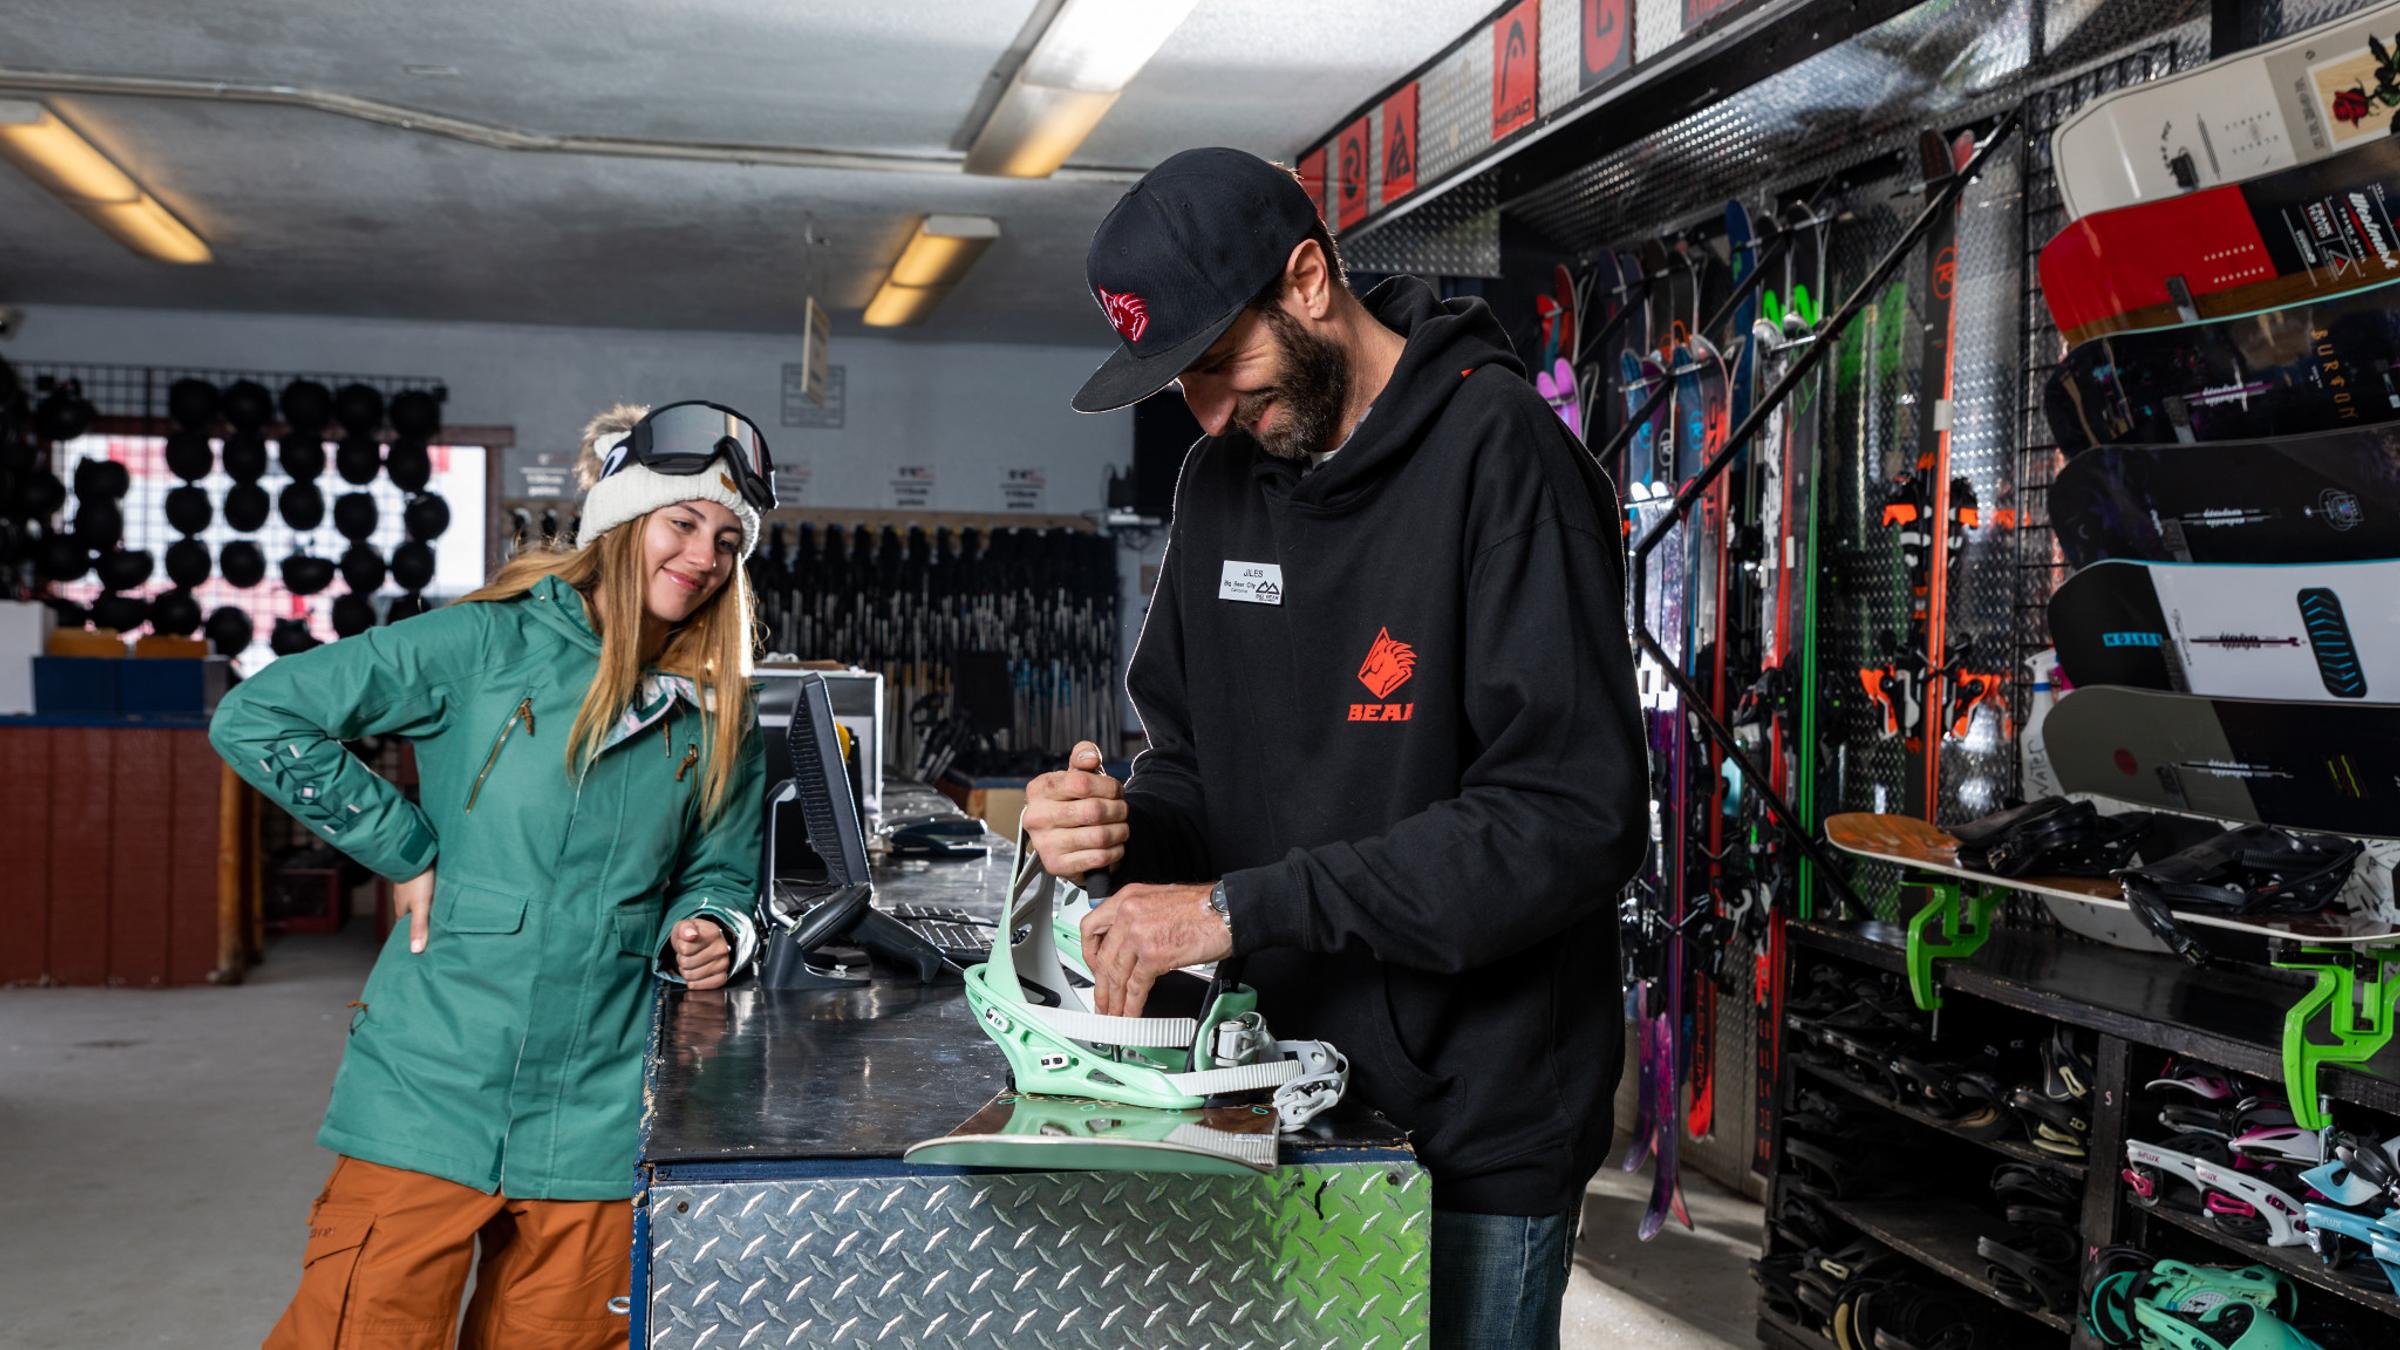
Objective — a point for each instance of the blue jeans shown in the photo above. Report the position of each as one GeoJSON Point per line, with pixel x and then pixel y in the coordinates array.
{"type": "Point", "coordinates": [1498, 1279]}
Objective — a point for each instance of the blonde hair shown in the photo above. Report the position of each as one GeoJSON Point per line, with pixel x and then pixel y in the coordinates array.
{"type": "Point", "coordinates": [712, 648]}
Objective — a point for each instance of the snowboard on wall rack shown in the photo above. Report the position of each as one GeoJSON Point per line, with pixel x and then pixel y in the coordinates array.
{"type": "Point", "coordinates": [2329, 497]}
{"type": "Point", "coordinates": [2289, 102]}
{"type": "Point", "coordinates": [2322, 365]}
{"type": "Point", "coordinates": [1702, 396]}
{"type": "Point", "coordinates": [2326, 632]}
{"type": "Point", "coordinates": [1912, 843]}
{"type": "Point", "coordinates": [2304, 766]}
{"type": "Point", "coordinates": [2297, 234]}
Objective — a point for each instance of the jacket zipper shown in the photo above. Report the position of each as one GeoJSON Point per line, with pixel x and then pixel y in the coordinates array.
{"type": "Point", "coordinates": [524, 713]}
{"type": "Point", "coordinates": [691, 756]}
{"type": "Point", "coordinates": [517, 1070]}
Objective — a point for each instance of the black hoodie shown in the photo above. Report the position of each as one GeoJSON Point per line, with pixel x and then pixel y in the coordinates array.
{"type": "Point", "coordinates": [1421, 772]}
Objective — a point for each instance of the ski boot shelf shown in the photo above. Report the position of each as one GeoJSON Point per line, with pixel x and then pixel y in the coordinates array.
{"type": "Point", "coordinates": [2353, 957]}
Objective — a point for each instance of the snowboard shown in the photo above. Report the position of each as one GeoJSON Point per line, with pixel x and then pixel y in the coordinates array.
{"type": "Point", "coordinates": [1702, 400]}
{"type": "Point", "coordinates": [2315, 366]}
{"type": "Point", "coordinates": [1939, 160]}
{"type": "Point", "coordinates": [1024, 1132]}
{"type": "Point", "coordinates": [2297, 234]}
{"type": "Point", "coordinates": [2324, 498]}
{"type": "Point", "coordinates": [2289, 102]}
{"type": "Point", "coordinates": [1917, 845]}
{"type": "Point", "coordinates": [2304, 766]}
{"type": "Point", "coordinates": [2305, 632]}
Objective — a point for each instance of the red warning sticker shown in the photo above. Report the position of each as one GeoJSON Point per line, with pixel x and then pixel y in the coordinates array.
{"type": "Point", "coordinates": [1350, 175]}
{"type": "Point", "coordinates": [1516, 67]}
{"type": "Point", "coordinates": [1400, 144]}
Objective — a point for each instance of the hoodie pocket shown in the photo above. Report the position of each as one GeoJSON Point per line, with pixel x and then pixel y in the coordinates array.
{"type": "Point", "coordinates": [1412, 1077]}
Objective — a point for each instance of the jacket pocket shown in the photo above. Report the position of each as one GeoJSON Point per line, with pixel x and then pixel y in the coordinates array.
{"type": "Point", "coordinates": [522, 714]}
{"type": "Point", "coordinates": [637, 930]}
{"type": "Point", "coordinates": [460, 908]}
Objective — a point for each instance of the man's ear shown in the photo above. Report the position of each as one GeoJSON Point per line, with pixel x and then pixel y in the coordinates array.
{"type": "Point", "coordinates": [1308, 281]}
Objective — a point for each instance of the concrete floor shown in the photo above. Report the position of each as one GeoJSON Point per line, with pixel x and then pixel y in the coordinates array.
{"type": "Point", "coordinates": [164, 1151]}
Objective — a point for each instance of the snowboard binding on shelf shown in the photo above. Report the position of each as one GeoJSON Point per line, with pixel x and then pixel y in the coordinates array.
{"type": "Point", "coordinates": [2133, 1298]}
{"type": "Point", "coordinates": [2052, 837]}
{"type": "Point", "coordinates": [2252, 870]}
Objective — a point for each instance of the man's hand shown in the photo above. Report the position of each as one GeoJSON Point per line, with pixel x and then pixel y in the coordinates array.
{"type": "Point", "coordinates": [1075, 818]}
{"type": "Point", "coordinates": [702, 956]}
{"type": "Point", "coordinates": [413, 900]}
{"type": "Point", "coordinates": [1141, 933]}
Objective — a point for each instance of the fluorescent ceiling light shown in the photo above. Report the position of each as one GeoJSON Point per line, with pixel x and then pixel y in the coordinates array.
{"type": "Point", "coordinates": [1091, 50]}
{"type": "Point", "coordinates": [940, 253]}
{"type": "Point", "coordinates": [54, 155]}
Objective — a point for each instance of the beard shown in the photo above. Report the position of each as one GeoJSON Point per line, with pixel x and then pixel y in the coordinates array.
{"type": "Point", "coordinates": [1312, 385]}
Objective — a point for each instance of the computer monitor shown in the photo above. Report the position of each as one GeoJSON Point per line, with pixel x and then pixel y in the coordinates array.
{"type": "Point", "coordinates": [819, 787]}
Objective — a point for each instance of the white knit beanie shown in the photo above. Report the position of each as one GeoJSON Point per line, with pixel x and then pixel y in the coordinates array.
{"type": "Point", "coordinates": [631, 491]}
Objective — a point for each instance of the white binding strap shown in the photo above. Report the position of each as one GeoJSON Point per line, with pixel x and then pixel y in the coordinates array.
{"type": "Point", "coordinates": [1239, 1078]}
{"type": "Point", "coordinates": [1102, 1029]}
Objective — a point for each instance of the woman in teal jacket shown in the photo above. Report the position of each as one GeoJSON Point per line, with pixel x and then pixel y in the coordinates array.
{"type": "Point", "coordinates": [590, 813]}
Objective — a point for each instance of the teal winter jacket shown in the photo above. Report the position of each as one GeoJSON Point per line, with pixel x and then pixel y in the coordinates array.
{"type": "Point", "coordinates": [507, 1055]}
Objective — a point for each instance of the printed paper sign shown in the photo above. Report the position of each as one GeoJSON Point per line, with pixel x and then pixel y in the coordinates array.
{"type": "Point", "coordinates": [1350, 184]}
{"type": "Point", "coordinates": [912, 485]}
{"type": "Point", "coordinates": [1400, 144]}
{"type": "Point", "coordinates": [1516, 67]}
{"type": "Point", "coordinates": [1023, 489]}
{"type": "Point", "coordinates": [1607, 40]}
{"type": "Point", "coordinates": [1312, 177]}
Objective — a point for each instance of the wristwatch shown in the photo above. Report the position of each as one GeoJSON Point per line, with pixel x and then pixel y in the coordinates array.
{"type": "Point", "coordinates": [1220, 906]}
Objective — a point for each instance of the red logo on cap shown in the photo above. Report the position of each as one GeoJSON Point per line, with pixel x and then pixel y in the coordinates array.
{"type": "Point", "coordinates": [1127, 312]}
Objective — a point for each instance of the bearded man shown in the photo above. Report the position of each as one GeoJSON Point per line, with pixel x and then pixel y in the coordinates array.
{"type": "Point", "coordinates": [1395, 759]}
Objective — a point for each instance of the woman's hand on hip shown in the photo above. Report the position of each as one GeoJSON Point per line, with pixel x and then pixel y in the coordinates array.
{"type": "Point", "coordinates": [413, 899]}
{"type": "Point", "coordinates": [702, 956]}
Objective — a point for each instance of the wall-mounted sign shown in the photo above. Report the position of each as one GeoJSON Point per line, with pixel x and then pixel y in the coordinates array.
{"type": "Point", "coordinates": [1400, 143]}
{"type": "Point", "coordinates": [1517, 67]}
{"type": "Point", "coordinates": [1350, 175]}
{"type": "Point", "coordinates": [1607, 40]}
{"type": "Point", "coordinates": [912, 486]}
{"type": "Point", "coordinates": [1023, 489]}
{"type": "Point", "coordinates": [1696, 12]}
{"type": "Point", "coordinates": [801, 411]}
{"type": "Point", "coordinates": [542, 473]}
{"type": "Point", "coordinates": [1312, 177]}
{"type": "Point", "coordinates": [791, 479]}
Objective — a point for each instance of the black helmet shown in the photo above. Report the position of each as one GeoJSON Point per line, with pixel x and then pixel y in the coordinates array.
{"type": "Point", "coordinates": [188, 563]}
{"type": "Point", "coordinates": [352, 615]}
{"type": "Point", "coordinates": [245, 456]}
{"type": "Point", "coordinates": [363, 569]}
{"type": "Point", "coordinates": [307, 407]}
{"type": "Point", "coordinates": [306, 574]}
{"type": "Point", "coordinates": [192, 403]}
{"type": "Point", "coordinates": [246, 507]}
{"type": "Point", "coordinates": [409, 464]}
{"type": "Point", "coordinates": [358, 459]}
{"type": "Point", "coordinates": [302, 506]}
{"type": "Point", "coordinates": [412, 566]}
{"type": "Point", "coordinates": [99, 524]}
{"type": "Point", "coordinates": [63, 557]}
{"type": "Point", "coordinates": [291, 637]}
{"type": "Point", "coordinates": [125, 569]}
{"type": "Point", "coordinates": [354, 514]}
{"type": "Point", "coordinates": [64, 413]}
{"type": "Point", "coordinates": [242, 564]}
{"type": "Point", "coordinates": [247, 405]}
{"type": "Point", "coordinates": [174, 613]}
{"type": "Point", "coordinates": [121, 612]}
{"type": "Point", "coordinates": [188, 455]}
{"type": "Point", "coordinates": [359, 408]}
{"type": "Point", "coordinates": [189, 510]}
{"type": "Point", "coordinates": [426, 517]}
{"type": "Point", "coordinates": [417, 413]}
{"type": "Point", "coordinates": [303, 456]}
{"type": "Point", "coordinates": [229, 630]}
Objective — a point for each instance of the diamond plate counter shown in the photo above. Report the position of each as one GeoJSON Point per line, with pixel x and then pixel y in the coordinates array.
{"type": "Point", "coordinates": [776, 1210]}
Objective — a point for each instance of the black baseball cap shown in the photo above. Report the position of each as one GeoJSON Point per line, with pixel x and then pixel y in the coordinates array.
{"type": "Point", "coordinates": [1179, 256]}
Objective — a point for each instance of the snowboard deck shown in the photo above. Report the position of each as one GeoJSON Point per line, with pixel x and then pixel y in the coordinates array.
{"type": "Point", "coordinates": [2317, 366]}
{"type": "Point", "coordinates": [1913, 843]}
{"type": "Point", "coordinates": [1025, 1132]}
{"type": "Point", "coordinates": [2325, 498]}
{"type": "Point", "coordinates": [1939, 160]}
{"type": "Point", "coordinates": [2245, 115]}
{"type": "Point", "coordinates": [1702, 399]}
{"type": "Point", "coordinates": [2303, 766]}
{"type": "Point", "coordinates": [2297, 234]}
{"type": "Point", "coordinates": [2302, 632]}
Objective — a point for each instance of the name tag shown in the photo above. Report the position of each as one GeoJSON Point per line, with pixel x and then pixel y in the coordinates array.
{"type": "Point", "coordinates": [1251, 583]}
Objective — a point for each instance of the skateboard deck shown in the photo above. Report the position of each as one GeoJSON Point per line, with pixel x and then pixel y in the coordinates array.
{"type": "Point", "coordinates": [2304, 766]}
{"type": "Point", "coordinates": [1912, 843]}
{"type": "Point", "coordinates": [2301, 632]}
{"type": "Point", "coordinates": [2318, 366]}
{"type": "Point", "coordinates": [1024, 1132]}
{"type": "Point", "coordinates": [2290, 102]}
{"type": "Point", "coordinates": [2296, 234]}
{"type": "Point", "coordinates": [2327, 498]}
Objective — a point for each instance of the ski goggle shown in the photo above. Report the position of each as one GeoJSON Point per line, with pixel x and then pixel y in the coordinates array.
{"type": "Point", "coordinates": [683, 439]}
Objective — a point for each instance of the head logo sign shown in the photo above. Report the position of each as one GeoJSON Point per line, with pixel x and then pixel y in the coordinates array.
{"type": "Point", "coordinates": [1126, 313]}
{"type": "Point", "coordinates": [1350, 187]}
{"type": "Point", "coordinates": [1400, 144]}
{"type": "Point", "coordinates": [1312, 177]}
{"type": "Point", "coordinates": [1607, 40]}
{"type": "Point", "coordinates": [1516, 67]}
